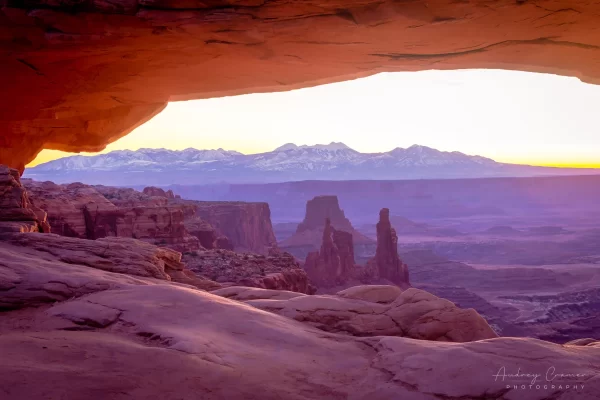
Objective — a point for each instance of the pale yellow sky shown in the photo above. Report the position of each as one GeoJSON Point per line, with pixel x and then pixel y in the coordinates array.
{"type": "Point", "coordinates": [509, 116]}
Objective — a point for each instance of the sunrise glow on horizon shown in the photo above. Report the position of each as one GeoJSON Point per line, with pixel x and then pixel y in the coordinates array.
{"type": "Point", "coordinates": [512, 117]}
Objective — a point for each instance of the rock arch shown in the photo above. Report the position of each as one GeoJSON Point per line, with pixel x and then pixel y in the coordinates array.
{"type": "Point", "coordinates": [78, 74]}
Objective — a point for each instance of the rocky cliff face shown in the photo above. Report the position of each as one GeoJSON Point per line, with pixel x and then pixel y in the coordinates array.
{"type": "Point", "coordinates": [155, 216]}
{"type": "Point", "coordinates": [387, 264]}
{"type": "Point", "coordinates": [93, 212]}
{"type": "Point", "coordinates": [65, 205]}
{"type": "Point", "coordinates": [17, 213]}
{"type": "Point", "coordinates": [247, 225]}
{"type": "Point", "coordinates": [163, 226]}
{"type": "Point", "coordinates": [333, 265]}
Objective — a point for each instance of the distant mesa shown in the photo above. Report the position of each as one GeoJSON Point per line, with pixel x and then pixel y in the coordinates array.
{"type": "Point", "coordinates": [310, 231]}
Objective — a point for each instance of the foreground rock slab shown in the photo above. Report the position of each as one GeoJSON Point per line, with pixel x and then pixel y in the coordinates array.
{"type": "Point", "coordinates": [210, 347]}
{"type": "Point", "coordinates": [40, 268]}
{"type": "Point", "coordinates": [70, 330]}
{"type": "Point", "coordinates": [376, 310]}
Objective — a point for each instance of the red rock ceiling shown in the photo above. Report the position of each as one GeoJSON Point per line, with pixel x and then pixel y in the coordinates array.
{"type": "Point", "coordinates": [76, 75]}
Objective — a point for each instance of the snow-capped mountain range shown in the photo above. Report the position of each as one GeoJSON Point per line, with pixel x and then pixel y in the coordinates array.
{"type": "Point", "coordinates": [290, 162]}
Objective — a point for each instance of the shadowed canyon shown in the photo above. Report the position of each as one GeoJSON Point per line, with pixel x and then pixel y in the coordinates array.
{"type": "Point", "coordinates": [306, 272]}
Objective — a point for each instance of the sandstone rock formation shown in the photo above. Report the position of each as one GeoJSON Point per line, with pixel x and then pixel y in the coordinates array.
{"type": "Point", "coordinates": [309, 232]}
{"type": "Point", "coordinates": [82, 332]}
{"type": "Point", "coordinates": [162, 226]}
{"type": "Point", "coordinates": [93, 212]}
{"type": "Point", "coordinates": [376, 310]}
{"type": "Point", "coordinates": [154, 191]}
{"type": "Point", "coordinates": [17, 213]}
{"type": "Point", "coordinates": [39, 268]}
{"type": "Point", "coordinates": [65, 205]}
{"type": "Point", "coordinates": [278, 270]}
{"type": "Point", "coordinates": [246, 225]}
{"type": "Point", "coordinates": [126, 197]}
{"type": "Point", "coordinates": [333, 265]}
{"type": "Point", "coordinates": [140, 54]}
{"type": "Point", "coordinates": [387, 264]}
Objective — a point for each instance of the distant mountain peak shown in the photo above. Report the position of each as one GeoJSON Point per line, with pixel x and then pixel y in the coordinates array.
{"type": "Point", "coordinates": [333, 146]}
{"type": "Point", "coordinates": [290, 162]}
{"type": "Point", "coordinates": [287, 146]}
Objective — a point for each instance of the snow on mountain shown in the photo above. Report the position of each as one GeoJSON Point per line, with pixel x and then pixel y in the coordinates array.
{"type": "Point", "coordinates": [423, 156]}
{"type": "Point", "coordinates": [139, 159]}
{"type": "Point", "coordinates": [290, 162]}
{"type": "Point", "coordinates": [319, 157]}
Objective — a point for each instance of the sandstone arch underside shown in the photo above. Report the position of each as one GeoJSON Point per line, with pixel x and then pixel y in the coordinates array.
{"type": "Point", "coordinates": [76, 75]}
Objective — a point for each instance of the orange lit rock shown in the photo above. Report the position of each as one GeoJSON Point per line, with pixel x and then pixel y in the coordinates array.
{"type": "Point", "coordinates": [77, 75]}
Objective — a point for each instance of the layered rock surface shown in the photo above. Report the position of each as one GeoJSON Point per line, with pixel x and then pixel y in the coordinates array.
{"type": "Point", "coordinates": [246, 225]}
{"type": "Point", "coordinates": [40, 268]}
{"type": "Point", "coordinates": [373, 311]}
{"type": "Point", "coordinates": [93, 212]}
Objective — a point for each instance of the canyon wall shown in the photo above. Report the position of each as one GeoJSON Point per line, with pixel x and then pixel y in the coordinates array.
{"type": "Point", "coordinates": [247, 225]}
{"type": "Point", "coordinates": [155, 216]}
{"type": "Point", "coordinates": [93, 212]}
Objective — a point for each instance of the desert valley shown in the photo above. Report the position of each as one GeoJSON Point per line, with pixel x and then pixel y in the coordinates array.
{"type": "Point", "coordinates": [299, 200]}
{"type": "Point", "coordinates": [492, 263]}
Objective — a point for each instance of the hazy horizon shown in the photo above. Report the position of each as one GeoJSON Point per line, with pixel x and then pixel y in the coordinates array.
{"type": "Point", "coordinates": [508, 116]}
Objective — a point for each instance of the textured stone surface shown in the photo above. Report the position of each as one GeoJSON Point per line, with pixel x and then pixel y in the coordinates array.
{"type": "Point", "coordinates": [373, 293]}
{"type": "Point", "coordinates": [412, 313]}
{"type": "Point", "coordinates": [40, 268]}
{"type": "Point", "coordinates": [65, 205]}
{"type": "Point", "coordinates": [278, 270]}
{"type": "Point", "coordinates": [100, 68]}
{"type": "Point", "coordinates": [17, 213]}
{"type": "Point", "coordinates": [93, 212]}
{"type": "Point", "coordinates": [49, 266]}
